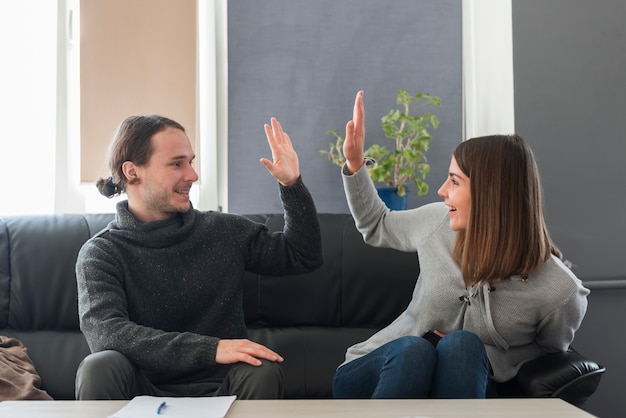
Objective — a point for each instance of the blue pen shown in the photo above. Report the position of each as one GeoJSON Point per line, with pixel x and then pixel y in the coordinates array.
{"type": "Point", "coordinates": [161, 407]}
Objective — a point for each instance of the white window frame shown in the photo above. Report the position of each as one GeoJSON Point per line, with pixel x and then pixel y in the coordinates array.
{"type": "Point", "coordinates": [210, 192]}
{"type": "Point", "coordinates": [488, 89]}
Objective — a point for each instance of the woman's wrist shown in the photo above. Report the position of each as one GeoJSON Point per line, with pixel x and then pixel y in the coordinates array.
{"type": "Point", "coordinates": [351, 167]}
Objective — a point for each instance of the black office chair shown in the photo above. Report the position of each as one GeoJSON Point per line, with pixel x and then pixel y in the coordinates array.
{"type": "Point", "coordinates": [569, 376]}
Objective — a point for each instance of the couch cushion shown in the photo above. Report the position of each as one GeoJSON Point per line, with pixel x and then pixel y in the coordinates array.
{"type": "Point", "coordinates": [308, 299]}
{"type": "Point", "coordinates": [42, 252]}
{"type": "Point", "coordinates": [311, 355]}
{"type": "Point", "coordinates": [376, 283]}
{"type": "Point", "coordinates": [346, 291]}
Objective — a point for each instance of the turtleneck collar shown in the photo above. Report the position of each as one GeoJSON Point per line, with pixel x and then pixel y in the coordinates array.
{"type": "Point", "coordinates": [156, 233]}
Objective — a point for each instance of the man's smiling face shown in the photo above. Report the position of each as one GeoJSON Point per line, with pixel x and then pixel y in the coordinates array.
{"type": "Point", "coordinates": [164, 183]}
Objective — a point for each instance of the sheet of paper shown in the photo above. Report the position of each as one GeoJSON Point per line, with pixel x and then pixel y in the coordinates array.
{"type": "Point", "coordinates": [204, 407]}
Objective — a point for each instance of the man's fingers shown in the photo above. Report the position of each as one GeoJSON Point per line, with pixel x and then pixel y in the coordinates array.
{"type": "Point", "coordinates": [233, 351]}
{"type": "Point", "coordinates": [270, 135]}
{"type": "Point", "coordinates": [262, 352]}
{"type": "Point", "coordinates": [277, 128]}
{"type": "Point", "coordinates": [275, 134]}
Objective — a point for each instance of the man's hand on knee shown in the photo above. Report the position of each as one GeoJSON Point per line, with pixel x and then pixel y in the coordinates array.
{"type": "Point", "coordinates": [246, 351]}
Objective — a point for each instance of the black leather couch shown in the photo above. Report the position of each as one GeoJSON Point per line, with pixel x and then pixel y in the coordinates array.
{"type": "Point", "coordinates": [310, 319]}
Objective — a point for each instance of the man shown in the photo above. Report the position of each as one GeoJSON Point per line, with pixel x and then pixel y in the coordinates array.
{"type": "Point", "coordinates": [160, 288]}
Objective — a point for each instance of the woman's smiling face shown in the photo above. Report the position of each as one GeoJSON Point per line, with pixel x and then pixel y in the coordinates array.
{"type": "Point", "coordinates": [455, 192]}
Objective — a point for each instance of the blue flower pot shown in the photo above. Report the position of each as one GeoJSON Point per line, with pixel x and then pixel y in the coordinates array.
{"type": "Point", "coordinates": [389, 195]}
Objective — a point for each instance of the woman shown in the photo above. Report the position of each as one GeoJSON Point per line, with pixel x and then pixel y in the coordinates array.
{"type": "Point", "coordinates": [492, 288]}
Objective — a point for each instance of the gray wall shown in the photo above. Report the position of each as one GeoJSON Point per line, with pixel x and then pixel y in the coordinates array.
{"type": "Point", "coordinates": [303, 61]}
{"type": "Point", "coordinates": [569, 67]}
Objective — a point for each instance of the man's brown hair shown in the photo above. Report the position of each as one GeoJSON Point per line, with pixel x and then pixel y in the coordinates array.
{"type": "Point", "coordinates": [133, 142]}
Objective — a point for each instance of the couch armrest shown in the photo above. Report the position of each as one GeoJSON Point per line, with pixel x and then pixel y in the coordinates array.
{"type": "Point", "coordinates": [569, 376]}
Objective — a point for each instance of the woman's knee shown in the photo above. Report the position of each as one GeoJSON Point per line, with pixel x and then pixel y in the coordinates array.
{"type": "Point", "coordinates": [462, 346]}
{"type": "Point", "coordinates": [460, 338]}
{"type": "Point", "coordinates": [412, 349]}
{"type": "Point", "coordinates": [411, 343]}
{"type": "Point", "coordinates": [400, 368]}
{"type": "Point", "coordinates": [463, 367]}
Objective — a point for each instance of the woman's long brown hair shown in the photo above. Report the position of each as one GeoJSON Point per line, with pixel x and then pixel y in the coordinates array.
{"type": "Point", "coordinates": [506, 232]}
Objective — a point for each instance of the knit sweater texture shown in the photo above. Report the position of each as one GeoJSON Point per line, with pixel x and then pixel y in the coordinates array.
{"type": "Point", "coordinates": [164, 293]}
{"type": "Point", "coordinates": [517, 319]}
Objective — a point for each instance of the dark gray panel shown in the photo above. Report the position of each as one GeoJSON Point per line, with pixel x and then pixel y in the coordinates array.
{"type": "Point", "coordinates": [303, 61]}
{"type": "Point", "coordinates": [569, 65]}
{"type": "Point", "coordinates": [601, 337]}
{"type": "Point", "coordinates": [570, 61]}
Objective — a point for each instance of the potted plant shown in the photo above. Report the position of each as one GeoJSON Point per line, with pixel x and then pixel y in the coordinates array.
{"type": "Point", "coordinates": [405, 162]}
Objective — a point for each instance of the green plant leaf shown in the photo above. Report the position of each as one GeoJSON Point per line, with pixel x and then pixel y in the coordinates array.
{"type": "Point", "coordinates": [404, 161]}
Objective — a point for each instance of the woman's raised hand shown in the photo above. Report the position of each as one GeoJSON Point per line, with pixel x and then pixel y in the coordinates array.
{"type": "Point", "coordinates": [354, 143]}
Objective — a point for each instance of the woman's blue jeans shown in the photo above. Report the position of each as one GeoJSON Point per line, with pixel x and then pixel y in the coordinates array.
{"type": "Point", "coordinates": [411, 367]}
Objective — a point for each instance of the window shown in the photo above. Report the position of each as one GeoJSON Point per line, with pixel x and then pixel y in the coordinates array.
{"type": "Point", "coordinates": [40, 151]}
{"type": "Point", "coordinates": [28, 82]}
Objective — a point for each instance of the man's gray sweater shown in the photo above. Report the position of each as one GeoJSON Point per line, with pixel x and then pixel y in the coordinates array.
{"type": "Point", "coordinates": [164, 293]}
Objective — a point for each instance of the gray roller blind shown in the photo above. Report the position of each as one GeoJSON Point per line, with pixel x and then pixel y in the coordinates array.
{"type": "Point", "coordinates": [303, 61]}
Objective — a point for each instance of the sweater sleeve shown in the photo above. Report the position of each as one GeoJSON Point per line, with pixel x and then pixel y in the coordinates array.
{"type": "Point", "coordinates": [555, 332]}
{"type": "Point", "coordinates": [382, 227]}
{"type": "Point", "coordinates": [298, 247]}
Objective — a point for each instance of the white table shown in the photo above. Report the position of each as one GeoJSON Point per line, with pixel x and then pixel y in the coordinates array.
{"type": "Point", "coordinates": [432, 408]}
